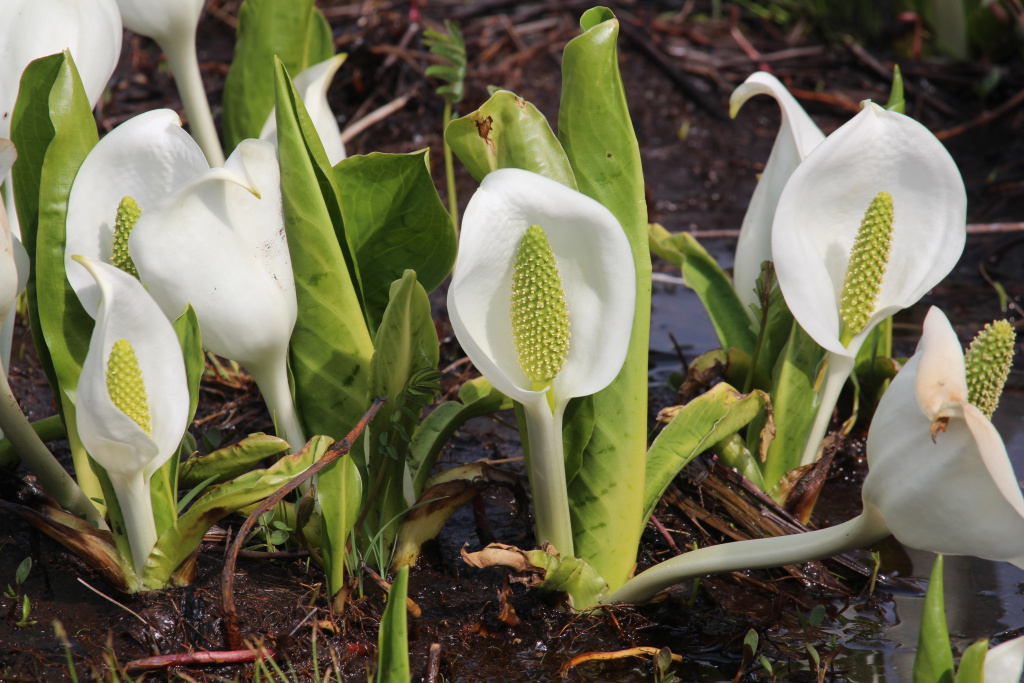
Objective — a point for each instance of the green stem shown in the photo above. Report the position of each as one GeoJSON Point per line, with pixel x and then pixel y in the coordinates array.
{"type": "Point", "coordinates": [38, 458]}
{"type": "Point", "coordinates": [272, 379]}
{"type": "Point", "coordinates": [47, 429]}
{"type": "Point", "coordinates": [839, 369]}
{"type": "Point", "coordinates": [547, 476]}
{"type": "Point", "coordinates": [181, 55]}
{"type": "Point", "coordinates": [449, 172]}
{"type": "Point", "coordinates": [760, 553]}
{"type": "Point", "coordinates": [85, 475]}
{"type": "Point", "coordinates": [134, 498]}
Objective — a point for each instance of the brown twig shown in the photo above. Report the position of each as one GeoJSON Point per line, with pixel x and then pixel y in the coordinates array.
{"type": "Point", "coordinates": [196, 659]}
{"type": "Point", "coordinates": [410, 605]}
{"type": "Point", "coordinates": [986, 117]}
{"type": "Point", "coordinates": [375, 116]}
{"type": "Point", "coordinates": [434, 662]}
{"type": "Point", "coordinates": [606, 656]}
{"type": "Point", "coordinates": [232, 631]}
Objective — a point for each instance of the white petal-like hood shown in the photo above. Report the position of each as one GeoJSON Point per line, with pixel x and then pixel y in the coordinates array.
{"type": "Point", "coordinates": [798, 136]}
{"type": "Point", "coordinates": [958, 494]}
{"type": "Point", "coordinates": [161, 19]}
{"type": "Point", "coordinates": [115, 441]}
{"type": "Point", "coordinates": [313, 84]}
{"type": "Point", "coordinates": [822, 206]}
{"type": "Point", "coordinates": [219, 243]}
{"type": "Point", "coordinates": [144, 158]}
{"type": "Point", "coordinates": [596, 268]}
{"type": "Point", "coordinates": [8, 263]}
{"type": "Point", "coordinates": [1005, 662]}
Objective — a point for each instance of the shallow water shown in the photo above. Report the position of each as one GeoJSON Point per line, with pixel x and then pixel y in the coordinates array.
{"type": "Point", "coordinates": [983, 599]}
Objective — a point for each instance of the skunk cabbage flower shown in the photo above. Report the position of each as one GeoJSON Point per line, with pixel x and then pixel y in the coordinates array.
{"type": "Point", "coordinates": [939, 479]}
{"type": "Point", "coordinates": [132, 397]}
{"type": "Point", "coordinates": [542, 301]}
{"type": "Point", "coordinates": [798, 136]}
{"type": "Point", "coordinates": [30, 29]}
{"type": "Point", "coordinates": [172, 24]}
{"type": "Point", "coordinates": [8, 263]}
{"type": "Point", "coordinates": [869, 222]}
{"type": "Point", "coordinates": [144, 158]}
{"type": "Point", "coordinates": [312, 85]}
{"type": "Point", "coordinates": [1005, 662]}
{"type": "Point", "coordinates": [218, 242]}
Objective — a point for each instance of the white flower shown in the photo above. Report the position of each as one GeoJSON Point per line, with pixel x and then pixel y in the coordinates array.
{"type": "Point", "coordinates": [596, 274]}
{"type": "Point", "coordinates": [1005, 662]}
{"type": "Point", "coordinates": [312, 85]}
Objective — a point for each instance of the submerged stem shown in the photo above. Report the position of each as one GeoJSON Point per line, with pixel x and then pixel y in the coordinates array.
{"type": "Point", "coordinates": [760, 553]}
{"type": "Point", "coordinates": [547, 476]}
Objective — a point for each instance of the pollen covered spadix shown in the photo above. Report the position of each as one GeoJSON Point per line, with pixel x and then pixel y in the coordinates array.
{"type": "Point", "coordinates": [126, 386]}
{"type": "Point", "coordinates": [988, 362]}
{"type": "Point", "coordinates": [128, 212]}
{"type": "Point", "coordinates": [866, 268]}
{"type": "Point", "coordinates": [540, 319]}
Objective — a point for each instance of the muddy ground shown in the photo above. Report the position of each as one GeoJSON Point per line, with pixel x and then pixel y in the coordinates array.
{"type": "Point", "coordinates": [701, 170]}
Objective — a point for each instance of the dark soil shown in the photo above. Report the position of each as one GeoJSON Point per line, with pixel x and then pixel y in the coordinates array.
{"type": "Point", "coordinates": [701, 169]}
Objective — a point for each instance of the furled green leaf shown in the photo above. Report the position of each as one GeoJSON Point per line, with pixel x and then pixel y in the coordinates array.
{"type": "Point", "coordinates": [897, 102]}
{"type": "Point", "coordinates": [394, 221]}
{"type": "Point", "coordinates": [294, 31]}
{"type": "Point", "coordinates": [339, 511]}
{"type": "Point", "coordinates": [181, 540]}
{"type": "Point", "coordinates": [230, 461]}
{"type": "Point", "coordinates": [595, 130]}
{"type": "Point", "coordinates": [697, 426]}
{"type": "Point", "coordinates": [972, 663]}
{"type": "Point", "coordinates": [508, 132]}
{"type": "Point", "coordinates": [709, 281]}
{"type": "Point", "coordinates": [934, 660]}
{"type": "Point", "coordinates": [330, 345]}
{"type": "Point", "coordinates": [476, 397]}
{"type": "Point", "coordinates": [393, 640]}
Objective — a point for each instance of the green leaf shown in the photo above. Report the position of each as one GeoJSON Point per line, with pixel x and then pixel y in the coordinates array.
{"type": "Point", "coordinates": [709, 281]}
{"type": "Point", "coordinates": [972, 663]}
{"type": "Point", "coordinates": [897, 102]}
{"type": "Point", "coordinates": [476, 397]}
{"type": "Point", "coordinates": [340, 509]}
{"type": "Point", "coordinates": [934, 660]}
{"type": "Point", "coordinates": [450, 47]}
{"type": "Point", "coordinates": [330, 345]}
{"type": "Point", "coordinates": [394, 221]}
{"type": "Point", "coordinates": [508, 132]}
{"type": "Point", "coordinates": [230, 461]}
{"type": "Point", "coordinates": [393, 641]}
{"type": "Point", "coordinates": [406, 343]}
{"type": "Point", "coordinates": [697, 426]}
{"type": "Point", "coordinates": [181, 540]}
{"type": "Point", "coordinates": [797, 375]}
{"type": "Point", "coordinates": [595, 130]}
{"type": "Point", "coordinates": [294, 31]}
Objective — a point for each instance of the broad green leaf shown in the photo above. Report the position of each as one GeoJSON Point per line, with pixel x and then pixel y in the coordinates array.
{"type": "Point", "coordinates": [406, 343]}
{"type": "Point", "coordinates": [394, 221]}
{"type": "Point", "coordinates": [508, 132]}
{"type": "Point", "coordinates": [294, 31]}
{"type": "Point", "coordinates": [711, 284]}
{"type": "Point", "coordinates": [733, 452]}
{"type": "Point", "coordinates": [330, 345]}
{"type": "Point", "coordinates": [697, 426]}
{"type": "Point", "coordinates": [476, 397]}
{"type": "Point", "coordinates": [595, 130]}
{"type": "Point", "coordinates": [393, 641]}
{"type": "Point", "coordinates": [230, 461]}
{"type": "Point", "coordinates": [972, 664]}
{"type": "Point", "coordinates": [795, 381]}
{"type": "Point", "coordinates": [181, 540]}
{"type": "Point", "coordinates": [934, 660]}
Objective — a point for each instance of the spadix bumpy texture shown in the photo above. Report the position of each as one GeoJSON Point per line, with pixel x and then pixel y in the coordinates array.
{"type": "Point", "coordinates": [127, 387]}
{"type": "Point", "coordinates": [540, 321]}
{"type": "Point", "coordinates": [128, 213]}
{"type": "Point", "coordinates": [988, 362]}
{"type": "Point", "coordinates": [866, 269]}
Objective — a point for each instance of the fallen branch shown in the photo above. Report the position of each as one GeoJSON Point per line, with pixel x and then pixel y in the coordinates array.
{"type": "Point", "coordinates": [375, 116]}
{"type": "Point", "coordinates": [232, 631]}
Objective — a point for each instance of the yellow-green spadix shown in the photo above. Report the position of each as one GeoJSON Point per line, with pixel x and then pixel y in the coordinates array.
{"type": "Point", "coordinates": [595, 268]}
{"type": "Point", "coordinates": [876, 154]}
{"type": "Point", "coordinates": [132, 396]}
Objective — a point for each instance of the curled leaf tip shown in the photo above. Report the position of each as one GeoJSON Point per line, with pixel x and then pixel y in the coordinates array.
{"type": "Point", "coordinates": [866, 269]}
{"type": "Point", "coordinates": [988, 362]}
{"type": "Point", "coordinates": [540, 318]}
{"type": "Point", "coordinates": [126, 386]}
{"type": "Point", "coordinates": [128, 213]}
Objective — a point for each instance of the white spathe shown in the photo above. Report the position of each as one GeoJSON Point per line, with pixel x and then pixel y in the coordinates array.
{"type": "Point", "coordinates": [161, 20]}
{"type": "Point", "coordinates": [144, 158]}
{"type": "Point", "coordinates": [958, 494]}
{"type": "Point", "coordinates": [8, 261]}
{"type": "Point", "coordinates": [798, 135]}
{"type": "Point", "coordinates": [599, 280]}
{"type": "Point", "coordinates": [820, 211]}
{"type": "Point", "coordinates": [1005, 662]}
{"type": "Point", "coordinates": [129, 455]}
{"type": "Point", "coordinates": [218, 243]}
{"type": "Point", "coordinates": [312, 85]}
